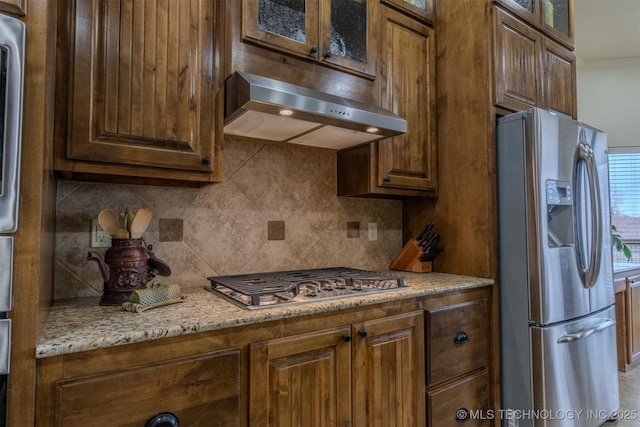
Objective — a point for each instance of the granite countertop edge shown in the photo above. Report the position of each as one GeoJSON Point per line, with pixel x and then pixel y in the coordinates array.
{"type": "Point", "coordinates": [80, 324]}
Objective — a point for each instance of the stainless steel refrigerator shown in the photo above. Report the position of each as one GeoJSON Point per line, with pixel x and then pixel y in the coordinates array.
{"type": "Point", "coordinates": [557, 319]}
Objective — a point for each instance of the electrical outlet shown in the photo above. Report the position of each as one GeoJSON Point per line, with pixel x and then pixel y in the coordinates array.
{"type": "Point", "coordinates": [99, 239]}
{"type": "Point", "coordinates": [373, 231]}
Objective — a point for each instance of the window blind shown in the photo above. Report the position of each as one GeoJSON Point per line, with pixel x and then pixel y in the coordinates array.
{"type": "Point", "coordinates": [624, 186]}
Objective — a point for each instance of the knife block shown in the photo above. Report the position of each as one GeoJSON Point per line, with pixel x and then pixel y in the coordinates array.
{"type": "Point", "coordinates": [409, 259]}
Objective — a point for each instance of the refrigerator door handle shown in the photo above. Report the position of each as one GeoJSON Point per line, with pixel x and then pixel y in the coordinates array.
{"type": "Point", "coordinates": [589, 272]}
{"type": "Point", "coordinates": [583, 334]}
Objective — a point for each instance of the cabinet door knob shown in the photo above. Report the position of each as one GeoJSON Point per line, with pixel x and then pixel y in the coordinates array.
{"type": "Point", "coordinates": [363, 333]}
{"type": "Point", "coordinates": [314, 49]}
{"type": "Point", "coordinates": [206, 160]}
{"type": "Point", "coordinates": [461, 338]}
{"type": "Point", "coordinates": [327, 54]}
{"type": "Point", "coordinates": [346, 337]}
{"type": "Point", "coordinates": [387, 178]}
{"type": "Point", "coordinates": [163, 419]}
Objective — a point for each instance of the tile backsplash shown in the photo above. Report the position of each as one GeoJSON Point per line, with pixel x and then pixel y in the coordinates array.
{"type": "Point", "coordinates": [223, 228]}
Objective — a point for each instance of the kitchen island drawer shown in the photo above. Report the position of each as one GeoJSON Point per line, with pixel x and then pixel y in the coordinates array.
{"type": "Point", "coordinates": [200, 391]}
{"type": "Point", "coordinates": [458, 339]}
{"type": "Point", "coordinates": [465, 401]}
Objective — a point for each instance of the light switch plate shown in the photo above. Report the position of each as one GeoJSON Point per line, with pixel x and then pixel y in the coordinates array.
{"type": "Point", "coordinates": [373, 231]}
{"type": "Point", "coordinates": [99, 239]}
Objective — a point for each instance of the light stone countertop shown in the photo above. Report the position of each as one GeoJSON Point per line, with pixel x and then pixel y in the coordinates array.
{"type": "Point", "coordinates": [80, 324]}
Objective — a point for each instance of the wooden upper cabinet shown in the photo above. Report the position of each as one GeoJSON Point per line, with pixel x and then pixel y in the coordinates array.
{"type": "Point", "coordinates": [517, 63]}
{"type": "Point", "coordinates": [421, 9]}
{"type": "Point", "coordinates": [553, 17]}
{"type": "Point", "coordinates": [408, 85]}
{"type": "Point", "coordinates": [559, 85]}
{"type": "Point", "coordinates": [531, 69]}
{"type": "Point", "coordinates": [405, 165]}
{"type": "Point", "coordinates": [335, 32]}
{"type": "Point", "coordinates": [142, 88]}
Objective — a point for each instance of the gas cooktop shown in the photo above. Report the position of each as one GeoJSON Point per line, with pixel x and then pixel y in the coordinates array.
{"type": "Point", "coordinates": [262, 290]}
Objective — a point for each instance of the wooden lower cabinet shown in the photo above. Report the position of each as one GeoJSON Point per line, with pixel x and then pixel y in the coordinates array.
{"type": "Point", "coordinates": [627, 301]}
{"type": "Point", "coordinates": [465, 401]}
{"type": "Point", "coordinates": [199, 391]}
{"type": "Point", "coordinates": [362, 366]}
{"type": "Point", "coordinates": [388, 371]}
{"type": "Point", "coordinates": [308, 379]}
{"type": "Point", "coordinates": [304, 380]}
{"type": "Point", "coordinates": [458, 362]}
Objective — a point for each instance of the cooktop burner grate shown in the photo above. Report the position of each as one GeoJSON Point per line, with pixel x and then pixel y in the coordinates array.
{"type": "Point", "coordinates": [260, 290]}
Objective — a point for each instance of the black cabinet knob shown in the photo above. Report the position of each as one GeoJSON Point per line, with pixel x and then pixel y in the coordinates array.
{"type": "Point", "coordinates": [327, 54]}
{"type": "Point", "coordinates": [346, 337]}
{"type": "Point", "coordinates": [206, 160]}
{"type": "Point", "coordinates": [314, 49]}
{"type": "Point", "coordinates": [461, 338]}
{"type": "Point", "coordinates": [163, 419]}
{"type": "Point", "coordinates": [363, 333]}
{"type": "Point", "coordinates": [387, 178]}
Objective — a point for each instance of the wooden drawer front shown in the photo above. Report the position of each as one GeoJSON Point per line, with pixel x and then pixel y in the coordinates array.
{"type": "Point", "coordinates": [471, 394]}
{"type": "Point", "coordinates": [200, 391]}
{"type": "Point", "coordinates": [445, 357]}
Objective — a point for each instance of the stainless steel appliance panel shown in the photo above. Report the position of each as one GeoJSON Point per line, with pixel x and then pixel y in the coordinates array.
{"type": "Point", "coordinates": [11, 79]}
{"type": "Point", "coordinates": [602, 292]}
{"type": "Point", "coordinates": [5, 345]}
{"type": "Point", "coordinates": [574, 379]}
{"type": "Point", "coordinates": [550, 159]}
{"type": "Point", "coordinates": [6, 273]}
{"type": "Point", "coordinates": [557, 333]}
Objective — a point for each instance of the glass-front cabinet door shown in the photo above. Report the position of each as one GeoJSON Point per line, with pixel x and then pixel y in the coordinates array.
{"type": "Point", "coordinates": [421, 9]}
{"type": "Point", "coordinates": [288, 25]}
{"type": "Point", "coordinates": [554, 17]}
{"type": "Point", "coordinates": [346, 34]}
{"type": "Point", "coordinates": [293, 26]}
{"type": "Point", "coordinates": [557, 19]}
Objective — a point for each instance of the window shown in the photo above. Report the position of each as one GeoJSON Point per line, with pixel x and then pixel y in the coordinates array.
{"type": "Point", "coordinates": [624, 184]}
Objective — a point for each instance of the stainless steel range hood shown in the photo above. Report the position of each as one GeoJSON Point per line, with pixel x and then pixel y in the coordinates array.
{"type": "Point", "coordinates": [263, 108]}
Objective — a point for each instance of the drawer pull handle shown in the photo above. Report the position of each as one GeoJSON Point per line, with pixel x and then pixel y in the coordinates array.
{"type": "Point", "coordinates": [461, 338]}
{"type": "Point", "coordinates": [163, 419]}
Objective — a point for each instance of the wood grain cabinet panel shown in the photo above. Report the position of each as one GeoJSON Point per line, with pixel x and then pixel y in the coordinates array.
{"type": "Point", "coordinates": [517, 63]}
{"type": "Point", "coordinates": [458, 339]}
{"type": "Point", "coordinates": [458, 361]}
{"type": "Point", "coordinates": [559, 84]}
{"type": "Point", "coordinates": [302, 380]}
{"type": "Point", "coordinates": [620, 287]}
{"type": "Point", "coordinates": [405, 165]}
{"type": "Point", "coordinates": [370, 373]}
{"type": "Point", "coordinates": [448, 405]}
{"type": "Point", "coordinates": [201, 391]}
{"type": "Point", "coordinates": [388, 366]}
{"type": "Point", "coordinates": [424, 10]}
{"type": "Point", "coordinates": [19, 7]}
{"type": "Point", "coordinates": [532, 70]}
{"type": "Point", "coordinates": [142, 83]}
{"type": "Point", "coordinates": [552, 17]}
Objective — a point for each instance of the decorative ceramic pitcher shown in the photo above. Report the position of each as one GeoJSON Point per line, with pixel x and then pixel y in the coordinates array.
{"type": "Point", "coordinates": [127, 266]}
